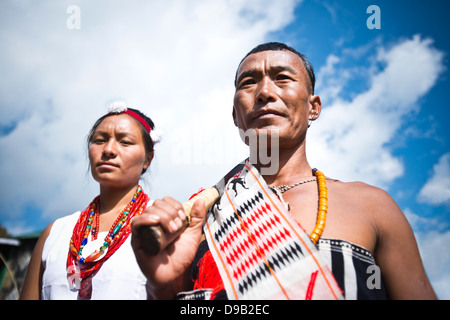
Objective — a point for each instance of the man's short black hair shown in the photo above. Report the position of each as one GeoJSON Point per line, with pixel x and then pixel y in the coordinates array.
{"type": "Point", "coordinates": [278, 46]}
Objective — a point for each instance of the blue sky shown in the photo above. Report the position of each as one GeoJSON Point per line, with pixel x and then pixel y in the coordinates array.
{"type": "Point", "coordinates": [324, 28]}
{"type": "Point", "coordinates": [384, 94]}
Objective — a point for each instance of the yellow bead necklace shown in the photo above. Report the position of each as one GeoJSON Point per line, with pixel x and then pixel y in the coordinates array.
{"type": "Point", "coordinates": [323, 202]}
{"type": "Point", "coordinates": [323, 207]}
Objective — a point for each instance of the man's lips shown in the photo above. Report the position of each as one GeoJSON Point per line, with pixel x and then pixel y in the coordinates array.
{"type": "Point", "coordinates": [265, 113]}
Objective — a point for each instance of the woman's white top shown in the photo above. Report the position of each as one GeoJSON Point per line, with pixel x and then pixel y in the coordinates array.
{"type": "Point", "coordinates": [118, 278]}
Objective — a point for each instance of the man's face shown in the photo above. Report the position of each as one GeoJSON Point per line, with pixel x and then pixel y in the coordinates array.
{"type": "Point", "coordinates": [272, 94]}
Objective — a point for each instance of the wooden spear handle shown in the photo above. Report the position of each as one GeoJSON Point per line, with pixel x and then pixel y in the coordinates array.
{"type": "Point", "coordinates": [154, 239]}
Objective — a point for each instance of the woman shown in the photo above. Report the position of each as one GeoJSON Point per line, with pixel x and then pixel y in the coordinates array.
{"type": "Point", "coordinates": [87, 255]}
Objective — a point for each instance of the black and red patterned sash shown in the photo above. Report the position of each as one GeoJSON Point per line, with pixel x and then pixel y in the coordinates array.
{"type": "Point", "coordinates": [260, 250]}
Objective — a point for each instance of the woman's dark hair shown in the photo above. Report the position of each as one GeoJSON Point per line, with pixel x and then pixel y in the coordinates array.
{"type": "Point", "coordinates": [278, 46]}
{"type": "Point", "coordinates": [148, 143]}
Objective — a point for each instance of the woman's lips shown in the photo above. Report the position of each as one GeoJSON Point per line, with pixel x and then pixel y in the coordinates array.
{"type": "Point", "coordinates": [107, 165]}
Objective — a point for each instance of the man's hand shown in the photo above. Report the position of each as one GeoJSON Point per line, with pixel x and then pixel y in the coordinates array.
{"type": "Point", "coordinates": [165, 271]}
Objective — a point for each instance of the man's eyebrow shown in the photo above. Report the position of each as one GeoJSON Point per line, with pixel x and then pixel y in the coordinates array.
{"type": "Point", "coordinates": [273, 69]}
{"type": "Point", "coordinates": [277, 69]}
{"type": "Point", "coordinates": [247, 73]}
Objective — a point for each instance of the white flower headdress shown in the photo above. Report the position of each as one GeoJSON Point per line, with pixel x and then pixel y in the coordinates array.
{"type": "Point", "coordinates": [121, 107]}
{"type": "Point", "coordinates": [117, 107]}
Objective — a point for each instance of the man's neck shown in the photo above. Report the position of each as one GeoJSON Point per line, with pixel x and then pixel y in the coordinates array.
{"type": "Point", "coordinates": [293, 165]}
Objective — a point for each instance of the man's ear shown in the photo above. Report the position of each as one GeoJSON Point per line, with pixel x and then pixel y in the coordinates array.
{"type": "Point", "coordinates": [315, 107]}
{"type": "Point", "coordinates": [234, 117]}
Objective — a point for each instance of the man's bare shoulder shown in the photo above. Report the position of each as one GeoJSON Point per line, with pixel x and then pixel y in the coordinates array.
{"type": "Point", "coordinates": [357, 188]}
{"type": "Point", "coordinates": [363, 194]}
{"type": "Point", "coordinates": [376, 203]}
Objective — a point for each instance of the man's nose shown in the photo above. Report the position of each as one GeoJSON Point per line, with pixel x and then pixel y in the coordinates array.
{"type": "Point", "coordinates": [266, 91]}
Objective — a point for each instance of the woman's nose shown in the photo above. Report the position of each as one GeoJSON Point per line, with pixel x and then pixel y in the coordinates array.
{"type": "Point", "coordinates": [110, 149]}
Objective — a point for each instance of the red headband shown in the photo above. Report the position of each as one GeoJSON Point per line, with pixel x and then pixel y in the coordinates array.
{"type": "Point", "coordinates": [139, 118]}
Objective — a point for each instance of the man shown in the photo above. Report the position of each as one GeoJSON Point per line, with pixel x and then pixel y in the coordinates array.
{"type": "Point", "coordinates": [362, 236]}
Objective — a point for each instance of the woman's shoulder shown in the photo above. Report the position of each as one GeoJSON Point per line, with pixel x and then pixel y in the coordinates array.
{"type": "Point", "coordinates": [56, 229]}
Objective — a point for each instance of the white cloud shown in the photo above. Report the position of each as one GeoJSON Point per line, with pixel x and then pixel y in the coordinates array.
{"type": "Point", "coordinates": [432, 236]}
{"type": "Point", "coordinates": [419, 223]}
{"type": "Point", "coordinates": [175, 60]}
{"type": "Point", "coordinates": [436, 191]}
{"type": "Point", "coordinates": [350, 139]}
{"type": "Point", "coordinates": [433, 247]}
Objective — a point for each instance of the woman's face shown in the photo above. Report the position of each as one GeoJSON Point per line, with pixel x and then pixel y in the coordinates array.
{"type": "Point", "coordinates": [117, 152]}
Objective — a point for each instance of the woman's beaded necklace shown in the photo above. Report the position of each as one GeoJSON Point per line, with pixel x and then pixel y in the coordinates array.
{"type": "Point", "coordinates": [323, 202]}
{"type": "Point", "coordinates": [84, 264]}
